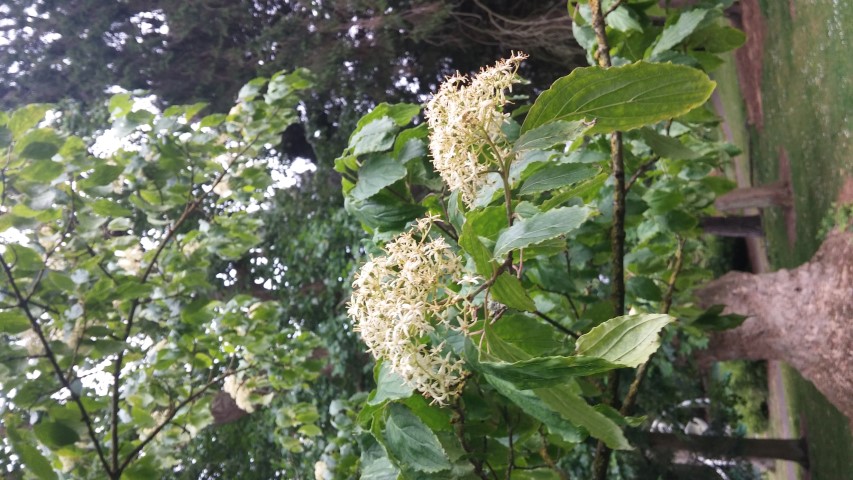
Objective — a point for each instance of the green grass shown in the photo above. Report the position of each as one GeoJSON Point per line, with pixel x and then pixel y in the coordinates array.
{"type": "Point", "coordinates": [807, 93]}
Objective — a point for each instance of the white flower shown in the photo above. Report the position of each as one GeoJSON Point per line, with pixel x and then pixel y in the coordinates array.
{"type": "Point", "coordinates": [321, 471]}
{"type": "Point", "coordinates": [222, 189]}
{"type": "Point", "coordinates": [465, 118]}
{"type": "Point", "coordinates": [398, 299]}
{"type": "Point", "coordinates": [130, 260]}
{"type": "Point", "coordinates": [239, 392]}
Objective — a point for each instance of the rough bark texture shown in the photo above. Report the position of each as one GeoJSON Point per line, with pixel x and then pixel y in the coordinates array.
{"type": "Point", "coordinates": [802, 316]}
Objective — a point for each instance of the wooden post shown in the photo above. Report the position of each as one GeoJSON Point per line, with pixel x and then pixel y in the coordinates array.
{"type": "Point", "coordinates": [774, 195]}
{"type": "Point", "coordinates": [733, 226]}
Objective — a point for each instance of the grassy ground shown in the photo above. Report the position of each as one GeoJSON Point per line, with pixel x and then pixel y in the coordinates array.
{"type": "Point", "coordinates": [807, 93]}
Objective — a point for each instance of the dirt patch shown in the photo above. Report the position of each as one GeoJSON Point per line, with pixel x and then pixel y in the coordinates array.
{"type": "Point", "coordinates": [845, 196]}
{"type": "Point", "coordinates": [747, 16]}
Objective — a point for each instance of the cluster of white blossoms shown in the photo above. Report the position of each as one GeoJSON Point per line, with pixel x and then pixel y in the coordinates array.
{"type": "Point", "coordinates": [239, 391]}
{"type": "Point", "coordinates": [398, 299]}
{"type": "Point", "coordinates": [465, 118]}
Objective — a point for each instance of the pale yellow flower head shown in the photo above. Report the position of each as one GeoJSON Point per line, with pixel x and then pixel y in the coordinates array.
{"type": "Point", "coordinates": [397, 301]}
{"type": "Point", "coordinates": [465, 118]}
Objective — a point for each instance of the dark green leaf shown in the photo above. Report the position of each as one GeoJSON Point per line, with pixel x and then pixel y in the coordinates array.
{"type": "Point", "coordinates": [713, 320]}
{"type": "Point", "coordinates": [667, 147]}
{"type": "Point", "coordinates": [377, 173]}
{"type": "Point", "coordinates": [383, 211]}
{"type": "Point", "coordinates": [376, 136]}
{"type": "Point", "coordinates": [55, 434]}
{"type": "Point", "coordinates": [471, 243]}
{"type": "Point", "coordinates": [662, 200]}
{"type": "Point", "coordinates": [546, 371]}
{"type": "Point", "coordinates": [556, 176]}
{"type": "Point", "coordinates": [508, 290]}
{"type": "Point", "coordinates": [584, 190]}
{"type": "Point", "coordinates": [13, 321]}
{"type": "Point", "coordinates": [389, 385]}
{"type": "Point", "coordinates": [628, 340]}
{"type": "Point", "coordinates": [550, 134]}
{"type": "Point", "coordinates": [574, 408]}
{"type": "Point", "coordinates": [539, 228]}
{"type": "Point", "coordinates": [643, 287]}
{"type": "Point", "coordinates": [42, 171]}
{"type": "Point", "coordinates": [412, 442]}
{"type": "Point", "coordinates": [673, 34]}
{"type": "Point", "coordinates": [717, 38]}
{"type": "Point", "coordinates": [109, 208]}
{"type": "Point", "coordinates": [621, 98]}
{"type": "Point", "coordinates": [538, 409]}
{"type": "Point", "coordinates": [103, 175]}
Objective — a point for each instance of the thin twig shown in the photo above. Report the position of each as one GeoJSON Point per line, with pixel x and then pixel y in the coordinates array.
{"type": "Point", "coordinates": [617, 233]}
{"type": "Point", "coordinates": [458, 422]}
{"type": "Point", "coordinates": [556, 324]}
{"type": "Point", "coordinates": [634, 389]}
{"type": "Point", "coordinates": [170, 233]}
{"type": "Point", "coordinates": [612, 8]}
{"type": "Point", "coordinates": [641, 170]}
{"type": "Point", "coordinates": [23, 303]}
{"type": "Point", "coordinates": [172, 413]}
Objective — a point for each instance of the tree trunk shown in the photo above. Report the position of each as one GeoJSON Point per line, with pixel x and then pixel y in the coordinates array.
{"type": "Point", "coordinates": [716, 447]}
{"type": "Point", "coordinates": [802, 316]}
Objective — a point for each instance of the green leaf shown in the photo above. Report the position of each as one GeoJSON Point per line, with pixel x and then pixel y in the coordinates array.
{"type": "Point", "coordinates": [13, 321]}
{"type": "Point", "coordinates": [529, 334]}
{"type": "Point", "coordinates": [376, 136]}
{"type": "Point", "coordinates": [534, 406]}
{"type": "Point", "coordinates": [717, 39]}
{"type": "Point", "coordinates": [471, 243]}
{"type": "Point", "coordinates": [412, 442]}
{"type": "Point", "coordinates": [643, 287]}
{"type": "Point", "coordinates": [673, 34]}
{"type": "Point", "coordinates": [55, 434]}
{"type": "Point", "coordinates": [389, 385]}
{"type": "Point", "coordinates": [550, 134]}
{"type": "Point", "coordinates": [109, 208]}
{"type": "Point", "coordinates": [29, 455]}
{"type": "Point", "coordinates": [667, 147]}
{"type": "Point", "coordinates": [585, 190]}
{"type": "Point", "coordinates": [508, 290]}
{"type": "Point", "coordinates": [713, 319]}
{"type": "Point", "coordinates": [627, 340]}
{"type": "Point", "coordinates": [574, 408]}
{"type": "Point", "coordinates": [540, 227]}
{"type": "Point", "coordinates": [556, 176]}
{"type": "Point", "coordinates": [622, 20]}
{"type": "Point", "coordinates": [401, 113]}
{"type": "Point", "coordinates": [383, 210]}
{"type": "Point", "coordinates": [377, 173]}
{"type": "Point", "coordinates": [661, 200]}
{"type": "Point", "coordinates": [120, 105]}
{"type": "Point", "coordinates": [41, 144]}
{"type": "Point", "coordinates": [540, 372]}
{"type": "Point", "coordinates": [102, 175]}
{"type": "Point", "coordinates": [26, 118]}
{"type": "Point", "coordinates": [621, 98]}
{"type": "Point", "coordinates": [41, 171]}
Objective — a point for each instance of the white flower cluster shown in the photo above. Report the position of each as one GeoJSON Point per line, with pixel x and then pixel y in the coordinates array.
{"type": "Point", "coordinates": [465, 118]}
{"type": "Point", "coordinates": [398, 299]}
{"type": "Point", "coordinates": [238, 390]}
